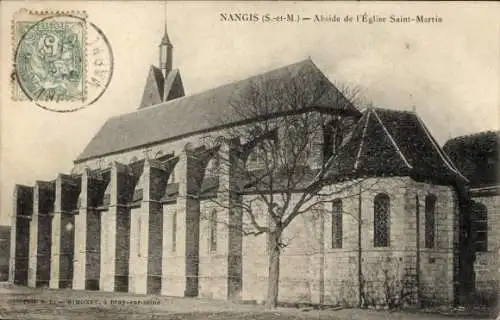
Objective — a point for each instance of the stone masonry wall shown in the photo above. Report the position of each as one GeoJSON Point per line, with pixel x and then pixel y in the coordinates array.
{"type": "Point", "coordinates": [20, 233]}
{"type": "Point", "coordinates": [436, 263]}
{"type": "Point", "coordinates": [311, 269]}
{"type": "Point", "coordinates": [93, 249]}
{"type": "Point", "coordinates": [155, 240]}
{"type": "Point", "coordinates": [66, 255]}
{"type": "Point", "coordinates": [487, 263]}
{"type": "Point", "coordinates": [138, 258]}
{"type": "Point", "coordinates": [173, 268]}
{"type": "Point", "coordinates": [313, 273]}
{"type": "Point", "coordinates": [213, 260]}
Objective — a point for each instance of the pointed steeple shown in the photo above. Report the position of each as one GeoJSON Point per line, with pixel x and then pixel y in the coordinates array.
{"type": "Point", "coordinates": [165, 40]}
{"type": "Point", "coordinates": [163, 82]}
{"type": "Point", "coordinates": [166, 49]}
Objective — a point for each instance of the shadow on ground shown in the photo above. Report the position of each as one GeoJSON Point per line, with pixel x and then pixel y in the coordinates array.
{"type": "Point", "coordinates": [26, 303]}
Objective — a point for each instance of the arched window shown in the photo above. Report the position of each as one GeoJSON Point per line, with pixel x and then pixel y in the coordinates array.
{"type": "Point", "coordinates": [381, 220]}
{"type": "Point", "coordinates": [337, 231]}
{"type": "Point", "coordinates": [213, 231]}
{"type": "Point", "coordinates": [430, 221]}
{"type": "Point", "coordinates": [480, 226]}
{"type": "Point", "coordinates": [256, 158]}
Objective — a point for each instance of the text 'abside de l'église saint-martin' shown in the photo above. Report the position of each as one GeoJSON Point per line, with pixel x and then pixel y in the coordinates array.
{"type": "Point", "coordinates": [376, 18]}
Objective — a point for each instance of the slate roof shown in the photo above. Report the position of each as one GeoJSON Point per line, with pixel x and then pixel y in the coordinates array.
{"type": "Point", "coordinates": [392, 143]}
{"type": "Point", "coordinates": [203, 112]}
{"type": "Point", "coordinates": [476, 156]}
{"type": "Point", "coordinates": [153, 90]}
{"type": "Point", "coordinates": [173, 88]}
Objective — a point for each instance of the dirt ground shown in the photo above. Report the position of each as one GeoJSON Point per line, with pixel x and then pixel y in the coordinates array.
{"type": "Point", "coordinates": [26, 303]}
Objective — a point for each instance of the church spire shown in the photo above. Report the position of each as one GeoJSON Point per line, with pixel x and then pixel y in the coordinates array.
{"type": "Point", "coordinates": [166, 48]}
{"type": "Point", "coordinates": [163, 82]}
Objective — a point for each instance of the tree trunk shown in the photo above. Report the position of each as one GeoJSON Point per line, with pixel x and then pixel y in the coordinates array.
{"type": "Point", "coordinates": [274, 271]}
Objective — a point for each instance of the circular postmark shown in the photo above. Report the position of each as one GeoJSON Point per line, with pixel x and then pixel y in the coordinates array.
{"type": "Point", "coordinates": [62, 62]}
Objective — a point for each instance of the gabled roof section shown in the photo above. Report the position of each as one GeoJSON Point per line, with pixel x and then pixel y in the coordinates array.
{"type": "Point", "coordinates": [173, 86]}
{"type": "Point", "coordinates": [392, 143]}
{"type": "Point", "coordinates": [370, 146]}
{"type": "Point", "coordinates": [153, 90]}
{"type": "Point", "coordinates": [203, 112]}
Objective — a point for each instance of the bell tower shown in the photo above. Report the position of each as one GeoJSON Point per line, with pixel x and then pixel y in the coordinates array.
{"type": "Point", "coordinates": [165, 53]}
{"type": "Point", "coordinates": [163, 82]}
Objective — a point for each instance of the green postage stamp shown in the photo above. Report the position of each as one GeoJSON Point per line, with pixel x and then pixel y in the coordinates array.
{"type": "Point", "coordinates": [49, 56]}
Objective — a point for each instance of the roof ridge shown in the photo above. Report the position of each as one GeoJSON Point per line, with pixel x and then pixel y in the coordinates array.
{"type": "Point", "coordinates": [223, 85]}
{"type": "Point", "coordinates": [363, 135]}
{"type": "Point", "coordinates": [393, 141]}
{"type": "Point", "coordinates": [174, 119]}
{"type": "Point", "coordinates": [441, 153]}
{"type": "Point", "coordinates": [475, 134]}
{"type": "Point", "coordinates": [159, 78]}
{"type": "Point", "coordinates": [410, 112]}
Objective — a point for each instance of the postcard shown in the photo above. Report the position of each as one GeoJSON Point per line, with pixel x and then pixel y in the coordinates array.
{"type": "Point", "coordinates": [249, 160]}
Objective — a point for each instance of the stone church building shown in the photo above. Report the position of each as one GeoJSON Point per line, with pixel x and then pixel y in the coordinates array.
{"type": "Point", "coordinates": [122, 220]}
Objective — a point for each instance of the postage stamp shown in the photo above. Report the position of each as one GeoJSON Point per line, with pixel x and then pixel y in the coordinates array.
{"type": "Point", "coordinates": [50, 57]}
{"type": "Point", "coordinates": [51, 60]}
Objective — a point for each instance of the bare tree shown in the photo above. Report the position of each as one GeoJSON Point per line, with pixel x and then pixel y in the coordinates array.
{"type": "Point", "coordinates": [356, 94]}
{"type": "Point", "coordinates": [280, 155]}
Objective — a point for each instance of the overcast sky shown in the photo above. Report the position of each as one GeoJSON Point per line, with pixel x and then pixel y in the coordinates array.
{"type": "Point", "coordinates": [449, 71]}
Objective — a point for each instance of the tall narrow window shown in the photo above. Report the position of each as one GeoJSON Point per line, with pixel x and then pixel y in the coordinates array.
{"type": "Point", "coordinates": [174, 230]}
{"type": "Point", "coordinates": [480, 226]}
{"type": "Point", "coordinates": [381, 220]}
{"type": "Point", "coordinates": [316, 155]}
{"type": "Point", "coordinates": [255, 158]}
{"type": "Point", "coordinates": [213, 231]}
{"type": "Point", "coordinates": [337, 231]}
{"type": "Point", "coordinates": [139, 226]}
{"type": "Point", "coordinates": [430, 221]}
